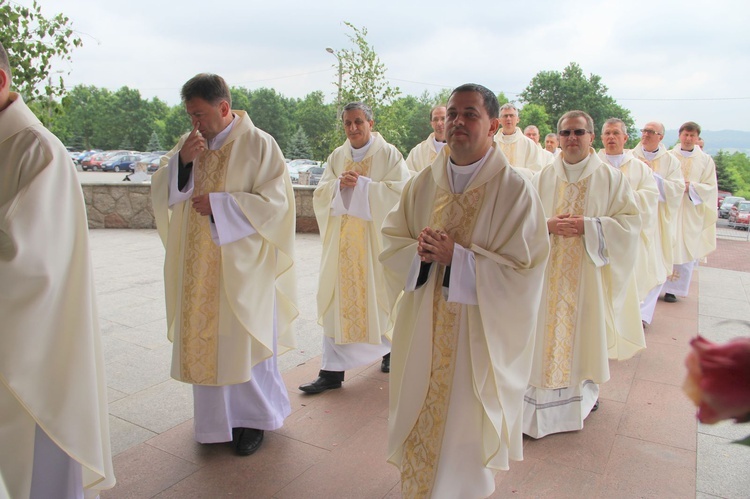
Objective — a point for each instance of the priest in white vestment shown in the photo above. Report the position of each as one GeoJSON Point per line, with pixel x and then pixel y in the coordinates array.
{"type": "Point", "coordinates": [362, 183]}
{"type": "Point", "coordinates": [590, 307]}
{"type": "Point", "coordinates": [648, 271]}
{"type": "Point", "coordinates": [54, 419]}
{"type": "Point", "coordinates": [465, 250]}
{"type": "Point", "coordinates": [668, 175]}
{"type": "Point", "coordinates": [520, 150]}
{"type": "Point", "coordinates": [424, 153]}
{"type": "Point", "coordinates": [225, 209]}
{"type": "Point", "coordinates": [551, 144]}
{"type": "Point", "coordinates": [532, 132]}
{"type": "Point", "coordinates": [696, 220]}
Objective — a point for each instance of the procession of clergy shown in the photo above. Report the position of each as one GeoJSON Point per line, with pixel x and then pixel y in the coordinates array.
{"type": "Point", "coordinates": [493, 279]}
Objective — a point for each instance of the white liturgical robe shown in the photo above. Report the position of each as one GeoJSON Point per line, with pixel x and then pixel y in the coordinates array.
{"type": "Point", "coordinates": [53, 392]}
{"type": "Point", "coordinates": [590, 307]}
{"type": "Point", "coordinates": [423, 154]}
{"type": "Point", "coordinates": [461, 356]}
{"type": "Point", "coordinates": [352, 300]}
{"type": "Point", "coordinates": [521, 151]}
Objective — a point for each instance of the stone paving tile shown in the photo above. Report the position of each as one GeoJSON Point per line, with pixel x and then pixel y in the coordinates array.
{"type": "Point", "coordinates": [144, 471]}
{"type": "Point", "coordinates": [133, 373]}
{"type": "Point", "coordinates": [621, 375]}
{"type": "Point", "coordinates": [340, 473]}
{"type": "Point", "coordinates": [663, 363]}
{"type": "Point", "coordinates": [143, 337]}
{"type": "Point", "coordinates": [660, 413]}
{"type": "Point", "coordinates": [278, 462]}
{"type": "Point", "coordinates": [722, 330]}
{"type": "Point", "coordinates": [115, 349]}
{"type": "Point", "coordinates": [727, 308]}
{"type": "Point", "coordinates": [157, 408]}
{"type": "Point", "coordinates": [638, 468]}
{"type": "Point", "coordinates": [538, 478]}
{"type": "Point", "coordinates": [124, 434]}
{"type": "Point", "coordinates": [587, 449]}
{"type": "Point", "coordinates": [723, 467]}
{"type": "Point", "coordinates": [335, 415]}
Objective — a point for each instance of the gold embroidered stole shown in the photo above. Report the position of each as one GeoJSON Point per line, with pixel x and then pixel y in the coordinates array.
{"type": "Point", "coordinates": [509, 150]}
{"type": "Point", "coordinates": [353, 252]}
{"type": "Point", "coordinates": [687, 166]}
{"type": "Point", "coordinates": [456, 214]}
{"type": "Point", "coordinates": [199, 319]}
{"type": "Point", "coordinates": [564, 276]}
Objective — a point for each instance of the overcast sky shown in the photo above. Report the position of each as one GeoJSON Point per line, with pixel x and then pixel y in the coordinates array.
{"type": "Point", "coordinates": [671, 61]}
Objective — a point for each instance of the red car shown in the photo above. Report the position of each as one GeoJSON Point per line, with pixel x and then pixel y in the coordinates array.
{"type": "Point", "coordinates": [739, 215]}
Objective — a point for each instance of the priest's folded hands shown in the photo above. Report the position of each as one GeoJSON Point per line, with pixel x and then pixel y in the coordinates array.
{"type": "Point", "coordinates": [435, 246]}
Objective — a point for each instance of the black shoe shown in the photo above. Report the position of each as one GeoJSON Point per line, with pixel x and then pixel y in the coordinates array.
{"type": "Point", "coordinates": [320, 385]}
{"type": "Point", "coordinates": [246, 440]}
{"type": "Point", "coordinates": [596, 406]}
{"type": "Point", "coordinates": [385, 366]}
{"type": "Point", "coordinates": [670, 298]}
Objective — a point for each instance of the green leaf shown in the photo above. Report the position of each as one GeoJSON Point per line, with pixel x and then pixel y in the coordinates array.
{"type": "Point", "coordinates": [744, 441]}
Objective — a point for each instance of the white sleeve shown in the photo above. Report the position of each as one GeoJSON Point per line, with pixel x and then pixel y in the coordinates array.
{"type": "Point", "coordinates": [229, 224]}
{"type": "Point", "coordinates": [341, 199]}
{"type": "Point", "coordinates": [463, 283]}
{"type": "Point", "coordinates": [593, 241]}
{"type": "Point", "coordinates": [693, 194]}
{"type": "Point", "coordinates": [176, 195]}
{"type": "Point", "coordinates": [660, 185]}
{"type": "Point", "coordinates": [359, 206]}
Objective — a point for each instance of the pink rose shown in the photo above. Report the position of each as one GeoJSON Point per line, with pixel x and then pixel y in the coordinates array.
{"type": "Point", "coordinates": [718, 379]}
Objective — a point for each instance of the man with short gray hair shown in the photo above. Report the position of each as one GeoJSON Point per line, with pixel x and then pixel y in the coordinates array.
{"type": "Point", "coordinates": [532, 132]}
{"type": "Point", "coordinates": [520, 150]}
{"type": "Point", "coordinates": [361, 184]}
{"type": "Point", "coordinates": [668, 176]}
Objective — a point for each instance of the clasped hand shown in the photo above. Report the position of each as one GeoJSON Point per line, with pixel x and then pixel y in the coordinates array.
{"type": "Point", "coordinates": [435, 246]}
{"type": "Point", "coordinates": [566, 225]}
{"type": "Point", "coordinates": [348, 179]}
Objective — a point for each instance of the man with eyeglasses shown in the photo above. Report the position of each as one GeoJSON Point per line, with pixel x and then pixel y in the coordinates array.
{"type": "Point", "coordinates": [520, 150]}
{"type": "Point", "coordinates": [424, 153]}
{"type": "Point", "coordinates": [649, 273]}
{"type": "Point", "coordinates": [696, 220]}
{"type": "Point", "coordinates": [532, 132]}
{"type": "Point", "coordinates": [594, 225]}
{"type": "Point", "coordinates": [668, 176]}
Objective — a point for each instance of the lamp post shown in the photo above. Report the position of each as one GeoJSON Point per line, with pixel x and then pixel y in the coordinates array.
{"type": "Point", "coordinates": [49, 95]}
{"type": "Point", "coordinates": [338, 95]}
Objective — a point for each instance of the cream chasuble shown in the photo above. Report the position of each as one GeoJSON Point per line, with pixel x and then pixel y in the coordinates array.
{"type": "Point", "coordinates": [498, 217]}
{"type": "Point", "coordinates": [51, 363]}
{"type": "Point", "coordinates": [588, 278]}
{"type": "Point", "coordinates": [351, 285]}
{"type": "Point", "coordinates": [521, 151]}
{"type": "Point", "coordinates": [649, 271]}
{"type": "Point", "coordinates": [671, 188]}
{"type": "Point", "coordinates": [696, 224]}
{"type": "Point", "coordinates": [221, 299]}
{"type": "Point", "coordinates": [422, 155]}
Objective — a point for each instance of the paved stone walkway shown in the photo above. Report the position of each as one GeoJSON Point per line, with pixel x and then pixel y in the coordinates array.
{"type": "Point", "coordinates": [643, 442]}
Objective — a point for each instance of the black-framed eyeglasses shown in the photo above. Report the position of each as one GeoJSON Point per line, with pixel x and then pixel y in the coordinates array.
{"type": "Point", "coordinates": [578, 132]}
{"type": "Point", "coordinates": [648, 131]}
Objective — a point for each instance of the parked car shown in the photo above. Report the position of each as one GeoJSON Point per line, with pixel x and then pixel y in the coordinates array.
{"type": "Point", "coordinates": [727, 205]}
{"type": "Point", "coordinates": [722, 195]}
{"type": "Point", "coordinates": [296, 165]}
{"type": "Point", "coordinates": [124, 163]}
{"type": "Point", "coordinates": [148, 163]}
{"type": "Point", "coordinates": [316, 173]}
{"type": "Point", "coordinates": [739, 215]}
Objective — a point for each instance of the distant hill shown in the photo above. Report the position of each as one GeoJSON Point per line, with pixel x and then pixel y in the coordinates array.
{"type": "Point", "coordinates": [728, 140]}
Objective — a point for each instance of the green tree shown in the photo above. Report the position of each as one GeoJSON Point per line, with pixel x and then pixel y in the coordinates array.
{"type": "Point", "coordinates": [83, 115]}
{"type": "Point", "coordinates": [176, 124]}
{"type": "Point", "coordinates": [319, 122]}
{"type": "Point", "coordinates": [154, 144]}
{"type": "Point", "coordinates": [406, 121]}
{"type": "Point", "coordinates": [272, 112]}
{"type": "Point", "coordinates": [33, 42]}
{"type": "Point", "coordinates": [363, 72]}
{"type": "Point", "coordinates": [535, 114]}
{"type": "Point", "coordinates": [561, 92]}
{"type": "Point", "coordinates": [298, 147]}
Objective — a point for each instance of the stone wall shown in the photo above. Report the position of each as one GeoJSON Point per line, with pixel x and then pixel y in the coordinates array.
{"type": "Point", "coordinates": [128, 206]}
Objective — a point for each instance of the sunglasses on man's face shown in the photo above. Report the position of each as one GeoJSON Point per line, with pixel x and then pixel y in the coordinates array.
{"type": "Point", "coordinates": [578, 132]}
